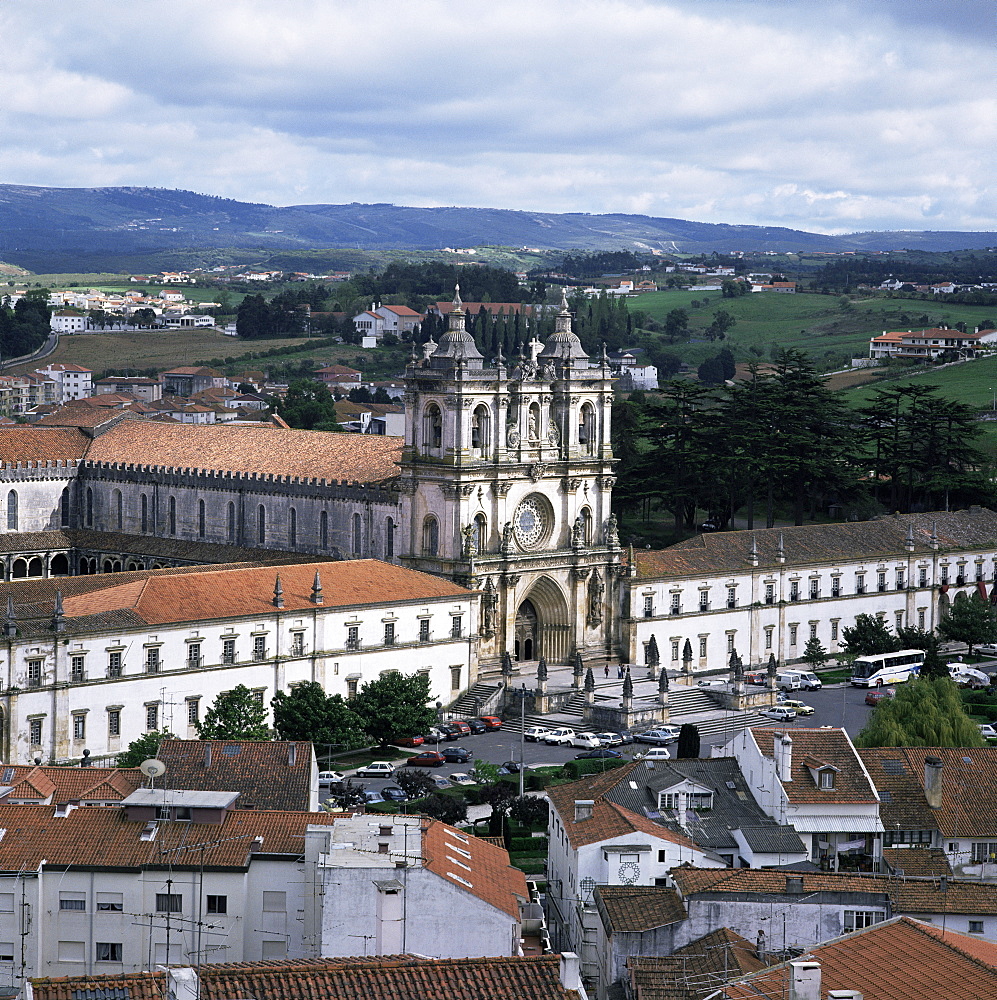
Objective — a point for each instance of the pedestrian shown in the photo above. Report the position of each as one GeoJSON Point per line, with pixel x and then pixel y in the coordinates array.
{"type": "Point", "coordinates": [619, 670]}
{"type": "Point", "coordinates": [607, 669]}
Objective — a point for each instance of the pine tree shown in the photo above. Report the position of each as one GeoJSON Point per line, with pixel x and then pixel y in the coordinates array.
{"type": "Point", "coordinates": [235, 715]}
{"type": "Point", "coordinates": [814, 653]}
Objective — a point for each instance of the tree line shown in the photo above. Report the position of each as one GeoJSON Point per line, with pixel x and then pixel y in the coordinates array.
{"type": "Point", "coordinates": [27, 325]}
{"type": "Point", "coordinates": [781, 440]}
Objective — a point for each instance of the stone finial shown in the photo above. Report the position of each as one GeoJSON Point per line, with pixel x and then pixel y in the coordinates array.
{"type": "Point", "coordinates": [579, 668]}
{"type": "Point", "coordinates": [687, 651]}
{"type": "Point", "coordinates": [317, 597]}
{"type": "Point", "coordinates": [909, 541]}
{"type": "Point", "coordinates": [934, 535]}
{"type": "Point", "coordinates": [736, 666]}
{"type": "Point", "coordinates": [58, 618]}
{"type": "Point", "coordinates": [651, 655]}
{"type": "Point", "coordinates": [780, 553]}
{"type": "Point", "coordinates": [753, 551]}
{"type": "Point", "coordinates": [278, 593]}
{"type": "Point", "coordinates": [589, 680]}
{"type": "Point", "coordinates": [507, 663]}
{"type": "Point", "coordinates": [663, 680]}
{"type": "Point", "coordinates": [10, 622]}
{"type": "Point", "coordinates": [542, 669]}
{"type": "Point", "coordinates": [628, 685]}
{"type": "Point", "coordinates": [773, 667]}
{"type": "Point", "coordinates": [458, 306]}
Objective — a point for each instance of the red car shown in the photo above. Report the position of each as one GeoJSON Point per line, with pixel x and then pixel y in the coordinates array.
{"type": "Point", "coordinates": [462, 727]}
{"type": "Point", "coordinates": [409, 741]}
{"type": "Point", "coordinates": [491, 721]}
{"type": "Point", "coordinates": [428, 758]}
{"type": "Point", "coordinates": [875, 697]}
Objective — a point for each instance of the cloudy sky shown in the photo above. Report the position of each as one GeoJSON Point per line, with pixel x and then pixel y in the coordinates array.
{"type": "Point", "coordinates": [816, 114]}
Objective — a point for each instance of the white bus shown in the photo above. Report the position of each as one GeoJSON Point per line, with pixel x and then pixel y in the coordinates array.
{"type": "Point", "coordinates": [887, 668]}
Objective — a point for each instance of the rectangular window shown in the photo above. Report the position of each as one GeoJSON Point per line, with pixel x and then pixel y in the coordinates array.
{"type": "Point", "coordinates": [976, 927]}
{"type": "Point", "coordinates": [730, 642]}
{"type": "Point", "coordinates": [72, 901]}
{"type": "Point", "coordinates": [979, 572]}
{"type": "Point", "coordinates": [899, 617]}
{"type": "Point", "coordinates": [34, 673]}
{"type": "Point", "coordinates": [794, 590]}
{"type": "Point", "coordinates": [768, 637]}
{"type": "Point", "coordinates": [792, 634]}
{"type": "Point", "coordinates": [455, 678]}
{"type": "Point", "coordinates": [258, 695]}
{"type": "Point", "coordinates": [298, 644]}
{"type": "Point", "coordinates": [456, 626]}
{"type": "Point", "coordinates": [274, 902]}
{"type": "Point", "coordinates": [77, 669]}
{"type": "Point", "coordinates": [151, 718]}
{"type": "Point", "coordinates": [945, 574]}
{"type": "Point", "coordinates": [920, 619]}
{"type": "Point", "coordinates": [114, 663]}
{"type": "Point", "coordinates": [814, 589]}
{"type": "Point", "coordinates": [702, 647]}
{"type": "Point", "coordinates": [6, 902]}
{"type": "Point", "coordinates": [856, 920]}
{"type": "Point", "coordinates": [423, 630]}
{"type": "Point", "coordinates": [6, 951]}
{"type": "Point", "coordinates": [649, 605]}
{"type": "Point", "coordinates": [169, 902]}
{"type": "Point", "coordinates": [108, 951]}
{"type": "Point", "coordinates": [813, 630]}
{"type": "Point", "coordinates": [152, 660]}
{"type": "Point", "coordinates": [731, 597]}
{"type": "Point", "coordinates": [110, 902]}
{"type": "Point", "coordinates": [704, 600]}
{"type": "Point", "coordinates": [351, 687]}
{"type": "Point", "coordinates": [834, 630]}
{"type": "Point", "coordinates": [675, 605]}
{"type": "Point", "coordinates": [675, 649]}
{"type": "Point", "coordinates": [228, 650]}
{"type": "Point", "coordinates": [860, 583]}
{"type": "Point", "coordinates": [769, 593]}
{"type": "Point", "coordinates": [353, 637]}
{"type": "Point", "coordinates": [274, 950]}
{"type": "Point", "coordinates": [193, 711]}
{"type": "Point", "coordinates": [35, 732]}
{"type": "Point", "coordinates": [217, 904]}
{"type": "Point", "coordinates": [72, 951]}
{"type": "Point", "coordinates": [901, 579]}
{"type": "Point", "coordinates": [892, 837]}
{"type": "Point", "coordinates": [193, 654]}
{"type": "Point", "coordinates": [389, 633]}
{"type": "Point", "coordinates": [984, 852]}
{"type": "Point", "coordinates": [826, 779]}
{"type": "Point", "coordinates": [79, 726]}
{"type": "Point", "coordinates": [922, 577]}
{"type": "Point", "coordinates": [114, 722]}
{"type": "Point", "coordinates": [835, 586]}
{"type": "Point", "coordinates": [259, 647]}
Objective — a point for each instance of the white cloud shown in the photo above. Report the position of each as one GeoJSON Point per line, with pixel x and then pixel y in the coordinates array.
{"type": "Point", "coordinates": [814, 115]}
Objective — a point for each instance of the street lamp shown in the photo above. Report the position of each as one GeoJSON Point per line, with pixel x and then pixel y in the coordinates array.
{"type": "Point", "coordinates": [994, 391]}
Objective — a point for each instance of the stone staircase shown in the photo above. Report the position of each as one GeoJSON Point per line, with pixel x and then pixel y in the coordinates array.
{"type": "Point", "coordinates": [473, 701]}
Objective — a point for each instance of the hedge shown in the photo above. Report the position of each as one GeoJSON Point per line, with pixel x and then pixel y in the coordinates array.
{"type": "Point", "coordinates": [531, 867]}
{"type": "Point", "coordinates": [527, 845]}
{"type": "Point", "coordinates": [579, 768]}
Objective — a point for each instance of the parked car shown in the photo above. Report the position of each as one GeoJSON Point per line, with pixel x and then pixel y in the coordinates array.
{"type": "Point", "coordinates": [780, 713]}
{"type": "Point", "coordinates": [988, 732]}
{"type": "Point", "coordinates": [440, 780]}
{"type": "Point", "coordinates": [456, 755]}
{"type": "Point", "coordinates": [461, 726]}
{"type": "Point", "coordinates": [392, 793]}
{"type": "Point", "coordinates": [491, 721]}
{"type": "Point", "coordinates": [599, 753]}
{"type": "Point", "coordinates": [460, 778]}
{"type": "Point", "coordinates": [450, 731]}
{"type": "Point", "coordinates": [659, 736]}
{"type": "Point", "coordinates": [989, 651]}
{"type": "Point", "coordinates": [535, 734]}
{"type": "Point", "coordinates": [371, 797]}
{"type": "Point", "coordinates": [476, 726]}
{"type": "Point", "coordinates": [655, 753]}
{"type": "Point", "coordinates": [434, 736]}
{"type": "Point", "coordinates": [610, 739]}
{"type": "Point", "coordinates": [409, 741]}
{"type": "Point", "coordinates": [967, 676]}
{"type": "Point", "coordinates": [509, 767]}
{"type": "Point", "coordinates": [428, 758]}
{"type": "Point", "coordinates": [712, 682]}
{"type": "Point", "coordinates": [587, 741]}
{"type": "Point", "coordinates": [376, 769]}
{"type": "Point", "coordinates": [759, 677]}
{"type": "Point", "coordinates": [875, 697]}
{"type": "Point", "coordinates": [330, 777]}
{"type": "Point", "coordinates": [799, 707]}
{"type": "Point", "coordinates": [556, 736]}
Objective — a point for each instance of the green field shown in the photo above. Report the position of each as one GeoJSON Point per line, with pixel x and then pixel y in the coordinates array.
{"type": "Point", "coordinates": [830, 328]}
{"type": "Point", "coordinates": [972, 383]}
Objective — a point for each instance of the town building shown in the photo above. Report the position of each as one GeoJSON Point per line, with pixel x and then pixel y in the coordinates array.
{"type": "Point", "coordinates": [926, 345]}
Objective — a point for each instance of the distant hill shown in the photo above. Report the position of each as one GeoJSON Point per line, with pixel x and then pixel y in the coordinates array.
{"type": "Point", "coordinates": [42, 227]}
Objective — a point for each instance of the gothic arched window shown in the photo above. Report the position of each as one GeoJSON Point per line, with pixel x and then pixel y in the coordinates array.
{"type": "Point", "coordinates": [430, 536]}
{"type": "Point", "coordinates": [432, 427]}
{"type": "Point", "coordinates": [481, 431]}
{"type": "Point", "coordinates": [292, 527]}
{"type": "Point", "coordinates": [389, 539]}
{"type": "Point", "coordinates": [323, 529]}
{"type": "Point", "coordinates": [586, 517]}
{"type": "Point", "coordinates": [586, 428]}
{"type": "Point", "coordinates": [261, 524]}
{"type": "Point", "coordinates": [357, 535]}
{"type": "Point", "coordinates": [12, 510]}
{"type": "Point", "coordinates": [480, 532]}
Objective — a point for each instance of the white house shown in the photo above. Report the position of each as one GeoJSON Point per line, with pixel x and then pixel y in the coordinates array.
{"type": "Point", "coordinates": [74, 381]}
{"type": "Point", "coordinates": [68, 321]}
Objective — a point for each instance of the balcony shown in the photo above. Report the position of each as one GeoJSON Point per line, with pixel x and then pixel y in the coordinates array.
{"type": "Point", "coordinates": [704, 605]}
{"type": "Point", "coordinates": [390, 640]}
{"type": "Point", "coordinates": [456, 632]}
{"type": "Point", "coordinates": [298, 650]}
{"type": "Point", "coordinates": [960, 581]}
{"type": "Point", "coordinates": [353, 643]}
{"type": "Point", "coordinates": [228, 657]}
{"type": "Point", "coordinates": [794, 596]}
{"type": "Point", "coordinates": [732, 602]}
{"type": "Point", "coordinates": [770, 598]}
{"type": "Point", "coordinates": [193, 662]}
{"type": "Point", "coordinates": [881, 588]}
{"type": "Point", "coordinates": [425, 637]}
{"type": "Point", "coordinates": [860, 588]}
{"type": "Point", "coordinates": [675, 609]}
{"type": "Point", "coordinates": [648, 612]}
{"type": "Point", "coordinates": [259, 654]}
{"type": "Point", "coordinates": [152, 666]}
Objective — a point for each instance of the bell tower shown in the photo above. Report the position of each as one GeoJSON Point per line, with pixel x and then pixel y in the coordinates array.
{"type": "Point", "coordinates": [507, 477]}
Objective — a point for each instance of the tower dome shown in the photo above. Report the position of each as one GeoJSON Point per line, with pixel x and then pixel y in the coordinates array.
{"type": "Point", "coordinates": [456, 344]}
{"type": "Point", "coordinates": [563, 343]}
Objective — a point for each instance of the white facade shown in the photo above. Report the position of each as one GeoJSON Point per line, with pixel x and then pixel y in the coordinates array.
{"type": "Point", "coordinates": [74, 382]}
{"type": "Point", "coordinates": [65, 321]}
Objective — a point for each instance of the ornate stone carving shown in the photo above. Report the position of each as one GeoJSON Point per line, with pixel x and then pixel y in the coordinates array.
{"type": "Point", "coordinates": [450, 491]}
{"type": "Point", "coordinates": [537, 470]}
{"type": "Point", "coordinates": [507, 538]}
{"type": "Point", "coordinates": [553, 434]}
{"type": "Point", "coordinates": [470, 534]}
{"type": "Point", "coordinates": [489, 608]}
{"type": "Point", "coordinates": [466, 489]}
{"type": "Point", "coordinates": [607, 482]}
{"type": "Point", "coordinates": [580, 573]}
{"type": "Point", "coordinates": [501, 487]}
{"type": "Point", "coordinates": [549, 372]}
{"type": "Point", "coordinates": [407, 487]}
{"type": "Point", "coordinates": [511, 579]}
{"type": "Point", "coordinates": [512, 436]}
{"type": "Point", "coordinates": [533, 431]}
{"type": "Point", "coordinates": [595, 591]}
{"type": "Point", "coordinates": [451, 403]}
{"type": "Point", "coordinates": [570, 485]}
{"type": "Point", "coordinates": [612, 536]}
{"type": "Point", "coordinates": [409, 397]}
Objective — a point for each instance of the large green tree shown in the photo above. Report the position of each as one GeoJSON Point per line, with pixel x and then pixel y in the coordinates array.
{"type": "Point", "coordinates": [926, 712]}
{"type": "Point", "coordinates": [235, 715]}
{"type": "Point", "coordinates": [309, 406]}
{"type": "Point", "coordinates": [868, 636]}
{"type": "Point", "coordinates": [144, 748]}
{"type": "Point", "coordinates": [971, 620]}
{"type": "Point", "coordinates": [306, 712]}
{"type": "Point", "coordinates": [394, 705]}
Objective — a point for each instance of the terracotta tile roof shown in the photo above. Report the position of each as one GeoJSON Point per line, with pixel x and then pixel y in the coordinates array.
{"type": "Point", "coordinates": [264, 450]}
{"type": "Point", "coordinates": [491, 877]}
{"type": "Point", "coordinates": [207, 372]}
{"type": "Point", "coordinates": [192, 593]}
{"type": "Point", "coordinates": [695, 971]}
{"type": "Point", "coordinates": [816, 544]}
{"type": "Point", "coordinates": [388, 977]}
{"type": "Point", "coordinates": [920, 862]}
{"type": "Point", "coordinates": [907, 895]}
{"type": "Point", "coordinates": [899, 959]}
{"type": "Point", "coordinates": [31, 444]}
{"type": "Point", "coordinates": [969, 786]}
{"type": "Point", "coordinates": [69, 784]}
{"type": "Point", "coordinates": [92, 835]}
{"type": "Point", "coordinates": [261, 772]}
{"type": "Point", "coordinates": [608, 820]}
{"type": "Point", "coordinates": [828, 746]}
{"type": "Point", "coordinates": [626, 909]}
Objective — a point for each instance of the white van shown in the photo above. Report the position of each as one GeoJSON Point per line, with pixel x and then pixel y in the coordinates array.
{"type": "Point", "coordinates": [809, 681]}
{"type": "Point", "coordinates": [788, 681]}
{"type": "Point", "coordinates": [962, 673]}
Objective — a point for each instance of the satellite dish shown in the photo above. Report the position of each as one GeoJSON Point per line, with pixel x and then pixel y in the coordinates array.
{"type": "Point", "coordinates": [152, 768]}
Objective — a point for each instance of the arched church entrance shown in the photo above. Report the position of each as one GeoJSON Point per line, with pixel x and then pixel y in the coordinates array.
{"type": "Point", "coordinates": [542, 626]}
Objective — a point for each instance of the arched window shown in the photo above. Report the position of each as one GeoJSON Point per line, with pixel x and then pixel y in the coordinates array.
{"type": "Point", "coordinates": [230, 524]}
{"type": "Point", "coordinates": [481, 431]}
{"type": "Point", "coordinates": [432, 427]}
{"type": "Point", "coordinates": [12, 510]}
{"type": "Point", "coordinates": [64, 508]}
{"type": "Point", "coordinates": [261, 524]}
{"type": "Point", "coordinates": [586, 518]}
{"type": "Point", "coordinates": [430, 536]}
{"type": "Point", "coordinates": [89, 514]}
{"type": "Point", "coordinates": [389, 539]}
{"type": "Point", "coordinates": [323, 529]}
{"type": "Point", "coordinates": [172, 517]}
{"type": "Point", "coordinates": [292, 527]}
{"type": "Point", "coordinates": [586, 428]}
{"type": "Point", "coordinates": [480, 532]}
{"type": "Point", "coordinates": [119, 514]}
{"type": "Point", "coordinates": [357, 535]}
{"type": "Point", "coordinates": [200, 519]}
{"type": "Point", "coordinates": [144, 511]}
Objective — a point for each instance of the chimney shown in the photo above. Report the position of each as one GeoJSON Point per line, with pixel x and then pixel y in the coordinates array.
{"type": "Point", "coordinates": [783, 757]}
{"type": "Point", "coordinates": [583, 809]}
{"type": "Point", "coordinates": [933, 781]}
{"type": "Point", "coordinates": [794, 885]}
{"type": "Point", "coordinates": [844, 995]}
{"type": "Point", "coordinates": [292, 754]}
{"type": "Point", "coordinates": [571, 971]}
{"type": "Point", "coordinates": [804, 981]}
{"type": "Point", "coordinates": [207, 755]}
{"type": "Point", "coordinates": [182, 983]}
